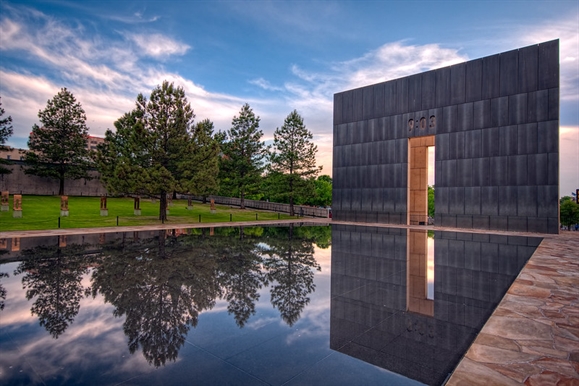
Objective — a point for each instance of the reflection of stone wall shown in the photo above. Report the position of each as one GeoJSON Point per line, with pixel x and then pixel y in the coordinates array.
{"type": "Point", "coordinates": [11, 248]}
{"type": "Point", "coordinates": [496, 124]}
{"type": "Point", "coordinates": [369, 318]}
{"type": "Point", "coordinates": [19, 183]}
{"type": "Point", "coordinates": [473, 271]}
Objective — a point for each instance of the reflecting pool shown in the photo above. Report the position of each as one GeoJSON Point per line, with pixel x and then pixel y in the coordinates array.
{"type": "Point", "coordinates": [279, 305]}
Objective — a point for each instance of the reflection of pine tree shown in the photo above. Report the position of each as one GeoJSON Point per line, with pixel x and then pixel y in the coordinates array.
{"type": "Point", "coordinates": [54, 277]}
{"type": "Point", "coordinates": [3, 292]}
{"type": "Point", "coordinates": [289, 263]}
{"type": "Point", "coordinates": [319, 235]}
{"type": "Point", "coordinates": [240, 276]}
{"type": "Point", "coordinates": [161, 290]}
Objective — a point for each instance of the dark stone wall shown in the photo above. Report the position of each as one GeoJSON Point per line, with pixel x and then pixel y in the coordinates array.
{"type": "Point", "coordinates": [497, 143]}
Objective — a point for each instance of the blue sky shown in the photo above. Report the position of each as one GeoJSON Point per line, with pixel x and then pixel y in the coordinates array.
{"type": "Point", "coordinates": [275, 55]}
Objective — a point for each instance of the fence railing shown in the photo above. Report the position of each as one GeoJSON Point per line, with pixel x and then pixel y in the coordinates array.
{"type": "Point", "coordinates": [299, 210]}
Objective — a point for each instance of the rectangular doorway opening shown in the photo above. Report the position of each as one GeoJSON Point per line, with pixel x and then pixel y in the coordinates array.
{"type": "Point", "coordinates": [431, 191]}
{"type": "Point", "coordinates": [418, 178]}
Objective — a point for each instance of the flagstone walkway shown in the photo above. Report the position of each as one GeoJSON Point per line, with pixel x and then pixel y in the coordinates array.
{"type": "Point", "coordinates": [532, 338]}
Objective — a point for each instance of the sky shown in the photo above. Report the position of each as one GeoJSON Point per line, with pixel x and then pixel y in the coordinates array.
{"type": "Point", "coordinates": [276, 56]}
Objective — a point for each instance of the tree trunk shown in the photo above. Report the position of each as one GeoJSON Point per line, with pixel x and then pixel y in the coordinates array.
{"type": "Point", "coordinates": [163, 207]}
{"type": "Point", "coordinates": [61, 180]}
{"type": "Point", "coordinates": [291, 192]}
{"type": "Point", "coordinates": [242, 201]}
{"type": "Point", "coordinates": [162, 236]}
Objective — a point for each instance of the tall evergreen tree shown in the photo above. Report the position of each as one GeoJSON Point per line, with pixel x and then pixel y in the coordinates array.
{"type": "Point", "coordinates": [243, 155]}
{"type": "Point", "coordinates": [200, 171]}
{"type": "Point", "coordinates": [58, 148]}
{"type": "Point", "coordinates": [157, 149]}
{"type": "Point", "coordinates": [5, 132]}
{"type": "Point", "coordinates": [294, 159]}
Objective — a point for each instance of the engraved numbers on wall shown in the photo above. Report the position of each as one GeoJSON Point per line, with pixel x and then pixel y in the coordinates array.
{"type": "Point", "coordinates": [422, 123]}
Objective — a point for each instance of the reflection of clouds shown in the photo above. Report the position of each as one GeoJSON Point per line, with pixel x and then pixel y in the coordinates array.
{"type": "Point", "coordinates": [95, 336]}
{"type": "Point", "coordinates": [315, 318]}
{"type": "Point", "coordinates": [261, 322]}
{"type": "Point", "coordinates": [430, 269]}
{"type": "Point", "coordinates": [324, 259]}
{"type": "Point", "coordinates": [96, 341]}
{"type": "Point", "coordinates": [17, 310]}
{"type": "Point", "coordinates": [315, 322]}
{"type": "Point", "coordinates": [220, 306]}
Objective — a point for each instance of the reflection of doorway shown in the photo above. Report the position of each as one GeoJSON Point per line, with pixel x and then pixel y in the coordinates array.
{"type": "Point", "coordinates": [420, 273]}
{"type": "Point", "coordinates": [418, 179]}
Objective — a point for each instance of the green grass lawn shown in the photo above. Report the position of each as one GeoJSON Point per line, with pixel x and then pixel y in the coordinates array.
{"type": "Point", "coordinates": [43, 212]}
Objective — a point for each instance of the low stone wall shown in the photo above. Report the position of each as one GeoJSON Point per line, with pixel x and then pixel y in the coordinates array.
{"type": "Point", "coordinates": [20, 183]}
{"type": "Point", "coordinates": [271, 206]}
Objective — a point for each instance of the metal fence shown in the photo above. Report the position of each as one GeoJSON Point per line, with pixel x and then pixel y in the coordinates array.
{"type": "Point", "coordinates": [300, 210]}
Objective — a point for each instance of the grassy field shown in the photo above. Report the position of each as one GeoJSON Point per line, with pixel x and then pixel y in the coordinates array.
{"type": "Point", "coordinates": [43, 212]}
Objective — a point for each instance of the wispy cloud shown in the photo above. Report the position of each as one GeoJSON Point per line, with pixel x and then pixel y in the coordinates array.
{"type": "Point", "coordinates": [312, 92]}
{"type": "Point", "coordinates": [105, 74]}
{"type": "Point", "coordinates": [137, 17]}
{"type": "Point", "coordinates": [264, 84]}
{"type": "Point", "coordinates": [158, 46]}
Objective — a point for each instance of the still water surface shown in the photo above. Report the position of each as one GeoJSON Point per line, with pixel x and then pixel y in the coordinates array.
{"type": "Point", "coordinates": [248, 306]}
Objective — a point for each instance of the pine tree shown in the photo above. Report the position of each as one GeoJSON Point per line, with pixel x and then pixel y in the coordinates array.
{"type": "Point", "coordinates": [58, 148]}
{"type": "Point", "coordinates": [200, 171]}
{"type": "Point", "coordinates": [157, 149]}
{"type": "Point", "coordinates": [5, 132]}
{"type": "Point", "coordinates": [243, 155]}
{"type": "Point", "coordinates": [294, 159]}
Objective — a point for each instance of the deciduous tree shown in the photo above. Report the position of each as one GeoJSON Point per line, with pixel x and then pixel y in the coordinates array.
{"type": "Point", "coordinates": [569, 211]}
{"type": "Point", "coordinates": [294, 158]}
{"type": "Point", "coordinates": [57, 149]}
{"type": "Point", "coordinates": [323, 195]}
{"type": "Point", "coordinates": [431, 209]}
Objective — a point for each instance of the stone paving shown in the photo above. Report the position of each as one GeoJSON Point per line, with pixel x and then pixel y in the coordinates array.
{"type": "Point", "coordinates": [532, 338]}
